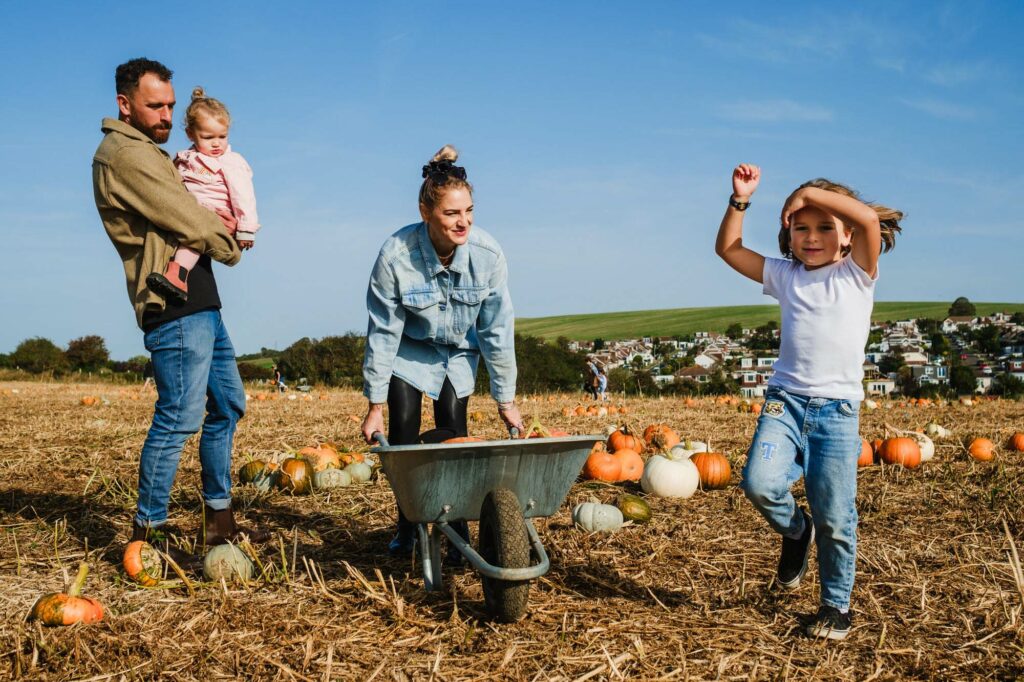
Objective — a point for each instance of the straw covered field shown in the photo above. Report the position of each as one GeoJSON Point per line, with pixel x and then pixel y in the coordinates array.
{"type": "Point", "coordinates": [689, 595]}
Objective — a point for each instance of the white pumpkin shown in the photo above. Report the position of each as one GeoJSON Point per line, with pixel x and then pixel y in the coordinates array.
{"type": "Point", "coordinates": [227, 562]}
{"type": "Point", "coordinates": [926, 445]}
{"type": "Point", "coordinates": [686, 449]}
{"type": "Point", "coordinates": [331, 478]}
{"type": "Point", "coordinates": [937, 431]}
{"type": "Point", "coordinates": [594, 517]}
{"type": "Point", "coordinates": [266, 480]}
{"type": "Point", "coordinates": [870, 404]}
{"type": "Point", "coordinates": [359, 471]}
{"type": "Point", "coordinates": [670, 477]}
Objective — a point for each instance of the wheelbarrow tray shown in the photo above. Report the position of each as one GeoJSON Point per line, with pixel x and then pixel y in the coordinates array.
{"type": "Point", "coordinates": [447, 482]}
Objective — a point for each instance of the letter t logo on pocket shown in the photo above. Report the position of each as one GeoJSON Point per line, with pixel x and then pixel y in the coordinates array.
{"type": "Point", "coordinates": [768, 450]}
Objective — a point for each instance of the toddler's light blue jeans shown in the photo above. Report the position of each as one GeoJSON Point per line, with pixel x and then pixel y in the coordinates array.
{"type": "Point", "coordinates": [819, 439]}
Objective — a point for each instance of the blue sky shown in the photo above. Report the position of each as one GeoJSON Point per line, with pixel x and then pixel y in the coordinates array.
{"type": "Point", "coordinates": [599, 136]}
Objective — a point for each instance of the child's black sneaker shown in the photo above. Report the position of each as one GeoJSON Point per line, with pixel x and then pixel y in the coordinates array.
{"type": "Point", "coordinates": [793, 560]}
{"type": "Point", "coordinates": [830, 623]}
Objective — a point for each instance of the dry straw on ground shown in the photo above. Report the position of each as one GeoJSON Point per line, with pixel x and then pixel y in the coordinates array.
{"type": "Point", "coordinates": [939, 592]}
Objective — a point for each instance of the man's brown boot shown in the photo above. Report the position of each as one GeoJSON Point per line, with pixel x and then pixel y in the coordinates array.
{"type": "Point", "coordinates": [220, 527]}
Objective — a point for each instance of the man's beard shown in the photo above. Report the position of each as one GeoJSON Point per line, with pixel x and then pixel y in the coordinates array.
{"type": "Point", "coordinates": [158, 134]}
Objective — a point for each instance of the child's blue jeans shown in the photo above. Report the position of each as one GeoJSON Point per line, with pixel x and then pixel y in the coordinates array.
{"type": "Point", "coordinates": [819, 439]}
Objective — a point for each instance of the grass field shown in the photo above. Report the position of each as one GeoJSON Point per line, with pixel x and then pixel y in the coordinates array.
{"type": "Point", "coordinates": [939, 590]}
{"type": "Point", "coordinates": [684, 321]}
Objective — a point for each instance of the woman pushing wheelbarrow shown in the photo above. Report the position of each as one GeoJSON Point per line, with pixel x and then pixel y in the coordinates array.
{"type": "Point", "coordinates": [438, 301]}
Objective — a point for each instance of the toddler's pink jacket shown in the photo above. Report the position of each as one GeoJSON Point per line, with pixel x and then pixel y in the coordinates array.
{"type": "Point", "coordinates": [221, 183]}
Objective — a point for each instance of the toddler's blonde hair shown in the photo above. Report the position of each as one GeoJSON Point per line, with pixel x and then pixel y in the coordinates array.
{"type": "Point", "coordinates": [208, 106]}
{"type": "Point", "coordinates": [888, 218]}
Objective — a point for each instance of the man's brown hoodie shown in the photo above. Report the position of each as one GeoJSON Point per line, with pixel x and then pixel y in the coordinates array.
{"type": "Point", "coordinates": [147, 211]}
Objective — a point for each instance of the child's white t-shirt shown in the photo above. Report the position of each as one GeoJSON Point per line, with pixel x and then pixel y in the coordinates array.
{"type": "Point", "coordinates": [826, 317]}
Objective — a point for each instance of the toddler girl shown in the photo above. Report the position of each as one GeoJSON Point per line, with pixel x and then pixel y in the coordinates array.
{"type": "Point", "coordinates": [220, 180]}
{"type": "Point", "coordinates": [809, 424]}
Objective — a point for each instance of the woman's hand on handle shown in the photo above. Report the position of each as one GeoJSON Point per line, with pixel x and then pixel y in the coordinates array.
{"type": "Point", "coordinates": [509, 414]}
{"type": "Point", "coordinates": [374, 422]}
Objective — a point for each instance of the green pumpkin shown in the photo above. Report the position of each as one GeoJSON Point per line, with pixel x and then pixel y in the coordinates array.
{"type": "Point", "coordinates": [227, 562]}
{"type": "Point", "coordinates": [634, 508]}
{"type": "Point", "coordinates": [594, 517]}
{"type": "Point", "coordinates": [250, 471]}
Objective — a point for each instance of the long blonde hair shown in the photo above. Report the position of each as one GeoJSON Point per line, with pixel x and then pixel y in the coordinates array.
{"type": "Point", "coordinates": [888, 218]}
{"type": "Point", "coordinates": [201, 104]}
{"type": "Point", "coordinates": [440, 175]}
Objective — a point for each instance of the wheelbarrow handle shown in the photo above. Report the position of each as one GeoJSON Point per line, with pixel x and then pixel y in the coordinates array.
{"type": "Point", "coordinates": [514, 432]}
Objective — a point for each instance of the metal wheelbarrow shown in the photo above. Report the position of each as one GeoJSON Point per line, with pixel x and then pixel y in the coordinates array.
{"type": "Point", "coordinates": [503, 484]}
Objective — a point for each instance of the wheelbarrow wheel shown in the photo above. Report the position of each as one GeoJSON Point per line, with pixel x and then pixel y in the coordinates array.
{"type": "Point", "coordinates": [504, 542]}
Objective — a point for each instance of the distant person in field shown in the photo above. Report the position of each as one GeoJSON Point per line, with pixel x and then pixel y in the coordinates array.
{"type": "Point", "coordinates": [219, 178]}
{"type": "Point", "coordinates": [809, 426]}
{"type": "Point", "coordinates": [148, 214]}
{"type": "Point", "coordinates": [593, 379]}
{"type": "Point", "coordinates": [279, 380]}
{"type": "Point", "coordinates": [438, 302]}
{"type": "Point", "coordinates": [602, 384]}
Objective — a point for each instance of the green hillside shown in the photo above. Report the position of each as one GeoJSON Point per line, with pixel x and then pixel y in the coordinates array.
{"type": "Point", "coordinates": [684, 321]}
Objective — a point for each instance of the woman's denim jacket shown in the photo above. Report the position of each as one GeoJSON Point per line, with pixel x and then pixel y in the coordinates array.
{"type": "Point", "coordinates": [428, 323]}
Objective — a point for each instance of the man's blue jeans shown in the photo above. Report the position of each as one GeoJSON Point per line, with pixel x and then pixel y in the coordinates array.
{"type": "Point", "coordinates": [196, 373]}
{"type": "Point", "coordinates": [819, 439]}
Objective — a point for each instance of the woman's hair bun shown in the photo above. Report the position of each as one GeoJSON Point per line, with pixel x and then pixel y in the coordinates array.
{"type": "Point", "coordinates": [446, 153]}
{"type": "Point", "coordinates": [198, 93]}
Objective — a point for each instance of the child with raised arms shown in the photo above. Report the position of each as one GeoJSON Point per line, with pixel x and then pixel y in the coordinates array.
{"type": "Point", "coordinates": [809, 426]}
{"type": "Point", "coordinates": [219, 178]}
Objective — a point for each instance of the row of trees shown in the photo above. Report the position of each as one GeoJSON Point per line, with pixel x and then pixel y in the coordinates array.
{"type": "Point", "coordinates": [86, 354]}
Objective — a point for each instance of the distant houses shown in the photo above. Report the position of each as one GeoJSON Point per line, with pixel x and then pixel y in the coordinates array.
{"type": "Point", "coordinates": [899, 355]}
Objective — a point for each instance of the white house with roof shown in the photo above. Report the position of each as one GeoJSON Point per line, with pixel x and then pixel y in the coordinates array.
{"type": "Point", "coordinates": [880, 387]}
{"type": "Point", "coordinates": [951, 324]}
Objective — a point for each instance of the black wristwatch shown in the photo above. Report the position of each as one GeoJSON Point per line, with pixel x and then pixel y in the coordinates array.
{"type": "Point", "coordinates": [739, 205]}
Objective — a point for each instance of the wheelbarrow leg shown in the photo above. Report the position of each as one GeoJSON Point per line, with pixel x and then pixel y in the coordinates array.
{"type": "Point", "coordinates": [430, 554]}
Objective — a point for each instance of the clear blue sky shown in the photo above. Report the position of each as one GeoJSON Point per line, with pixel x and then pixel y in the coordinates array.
{"type": "Point", "coordinates": [599, 136]}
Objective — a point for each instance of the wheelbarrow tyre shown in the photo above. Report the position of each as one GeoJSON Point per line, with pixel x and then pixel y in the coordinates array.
{"type": "Point", "coordinates": [504, 542]}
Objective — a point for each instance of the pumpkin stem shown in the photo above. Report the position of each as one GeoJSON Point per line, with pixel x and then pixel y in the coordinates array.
{"type": "Point", "coordinates": [535, 425]}
{"type": "Point", "coordinates": [76, 587]}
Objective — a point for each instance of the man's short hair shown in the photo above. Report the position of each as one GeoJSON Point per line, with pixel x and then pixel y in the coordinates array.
{"type": "Point", "coordinates": [127, 76]}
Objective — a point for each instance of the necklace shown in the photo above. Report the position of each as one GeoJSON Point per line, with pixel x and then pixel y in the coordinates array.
{"type": "Point", "coordinates": [446, 260]}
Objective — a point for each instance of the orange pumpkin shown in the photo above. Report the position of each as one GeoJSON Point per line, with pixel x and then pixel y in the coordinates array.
{"type": "Point", "coordinates": [713, 468]}
{"type": "Point", "coordinates": [321, 457]}
{"type": "Point", "coordinates": [755, 408]}
{"type": "Point", "coordinates": [142, 563]}
{"type": "Point", "coordinates": [464, 439]}
{"type": "Point", "coordinates": [903, 451]}
{"type": "Point", "coordinates": [602, 466]}
{"type": "Point", "coordinates": [90, 400]}
{"type": "Point", "coordinates": [876, 446]}
{"type": "Point", "coordinates": [660, 437]}
{"type": "Point", "coordinates": [566, 412]}
{"type": "Point", "coordinates": [982, 449]}
{"type": "Point", "coordinates": [1016, 442]}
{"type": "Point", "coordinates": [867, 454]}
{"type": "Point", "coordinates": [623, 437]}
{"type": "Point", "coordinates": [67, 609]}
{"type": "Point", "coordinates": [631, 465]}
{"type": "Point", "coordinates": [296, 476]}
{"type": "Point", "coordinates": [580, 411]}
